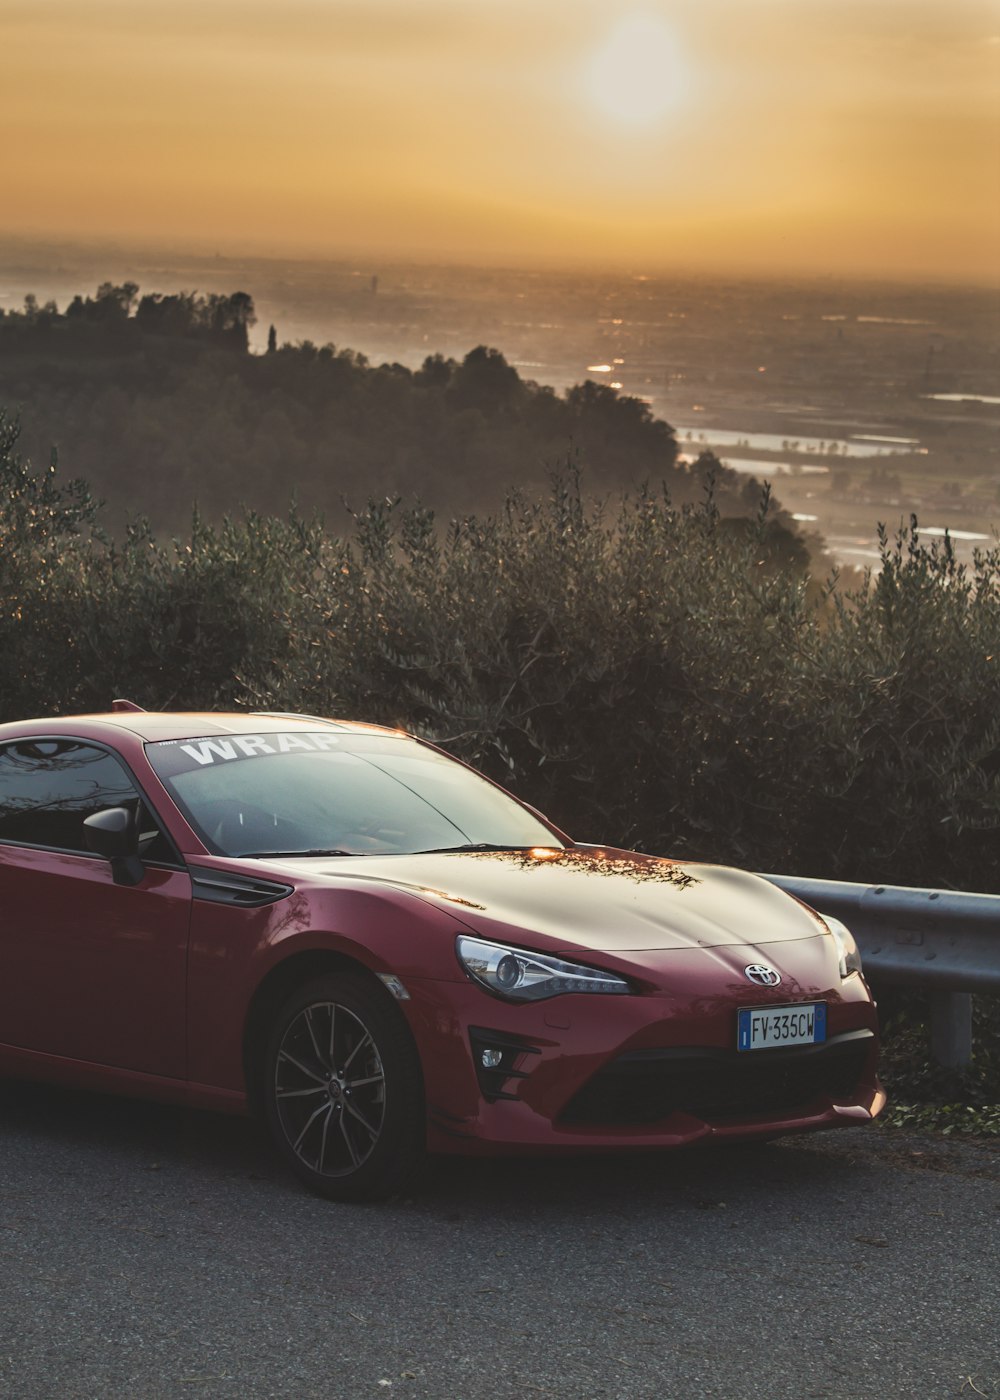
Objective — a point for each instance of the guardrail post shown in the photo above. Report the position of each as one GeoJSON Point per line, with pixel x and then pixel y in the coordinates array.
{"type": "Point", "coordinates": [951, 1028]}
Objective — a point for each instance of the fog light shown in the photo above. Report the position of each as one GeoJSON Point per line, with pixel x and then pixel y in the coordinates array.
{"type": "Point", "coordinates": [500, 1061]}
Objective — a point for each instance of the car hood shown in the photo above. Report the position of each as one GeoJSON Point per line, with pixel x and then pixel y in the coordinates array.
{"type": "Point", "coordinates": [607, 900]}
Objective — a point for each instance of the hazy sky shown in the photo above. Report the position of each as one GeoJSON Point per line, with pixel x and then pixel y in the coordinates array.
{"type": "Point", "coordinates": [803, 135]}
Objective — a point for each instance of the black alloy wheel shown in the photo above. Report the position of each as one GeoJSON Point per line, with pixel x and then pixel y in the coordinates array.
{"type": "Point", "coordinates": [343, 1091]}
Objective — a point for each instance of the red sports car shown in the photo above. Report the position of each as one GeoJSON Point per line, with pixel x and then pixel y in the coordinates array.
{"type": "Point", "coordinates": [383, 953]}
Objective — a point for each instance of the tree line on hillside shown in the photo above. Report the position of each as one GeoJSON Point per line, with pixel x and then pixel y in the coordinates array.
{"type": "Point", "coordinates": [652, 676]}
{"type": "Point", "coordinates": [158, 402]}
{"type": "Point", "coordinates": [119, 314]}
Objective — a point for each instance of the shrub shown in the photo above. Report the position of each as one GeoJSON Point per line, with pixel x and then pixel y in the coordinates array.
{"type": "Point", "coordinates": [658, 677]}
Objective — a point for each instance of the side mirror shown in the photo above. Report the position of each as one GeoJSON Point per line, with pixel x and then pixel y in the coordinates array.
{"type": "Point", "coordinates": [114, 835]}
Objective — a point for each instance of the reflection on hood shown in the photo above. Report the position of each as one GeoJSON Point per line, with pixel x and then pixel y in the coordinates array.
{"type": "Point", "coordinates": [596, 861]}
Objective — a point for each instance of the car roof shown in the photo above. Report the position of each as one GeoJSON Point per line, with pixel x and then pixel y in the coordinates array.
{"type": "Point", "coordinates": [151, 725]}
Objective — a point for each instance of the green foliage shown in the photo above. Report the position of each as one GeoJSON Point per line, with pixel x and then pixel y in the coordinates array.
{"type": "Point", "coordinates": [910, 757]}
{"type": "Point", "coordinates": [196, 624]}
{"type": "Point", "coordinates": [40, 518]}
{"type": "Point", "coordinates": [950, 1119]}
{"type": "Point", "coordinates": [659, 676]}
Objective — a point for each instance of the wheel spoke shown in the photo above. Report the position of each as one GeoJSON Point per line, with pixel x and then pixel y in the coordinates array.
{"type": "Point", "coordinates": [322, 1141]}
{"type": "Point", "coordinates": [347, 1138]}
{"type": "Point", "coordinates": [333, 1027]}
{"type": "Point", "coordinates": [312, 1036]}
{"type": "Point", "coordinates": [323, 1108]}
{"type": "Point", "coordinates": [372, 1079]}
{"type": "Point", "coordinates": [365, 1040]}
{"type": "Point", "coordinates": [298, 1093]}
{"type": "Point", "coordinates": [356, 1113]}
{"type": "Point", "coordinates": [303, 1069]}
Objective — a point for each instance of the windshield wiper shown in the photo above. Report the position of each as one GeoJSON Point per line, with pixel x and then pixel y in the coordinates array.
{"type": "Point", "coordinates": [470, 846]}
{"type": "Point", "coordinates": [260, 855]}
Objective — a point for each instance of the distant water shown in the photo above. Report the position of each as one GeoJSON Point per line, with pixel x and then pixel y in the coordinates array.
{"type": "Point", "coordinates": [774, 442]}
{"type": "Point", "coordinates": [757, 466]}
{"type": "Point", "coordinates": [863, 551]}
{"type": "Point", "coordinates": [971, 536]}
{"type": "Point", "coordinates": [963, 398]}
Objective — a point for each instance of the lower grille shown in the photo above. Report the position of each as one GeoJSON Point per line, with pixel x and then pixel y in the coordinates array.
{"type": "Point", "coordinates": [714, 1085]}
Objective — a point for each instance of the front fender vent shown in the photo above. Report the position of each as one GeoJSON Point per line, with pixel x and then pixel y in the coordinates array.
{"type": "Point", "coordinates": [223, 887]}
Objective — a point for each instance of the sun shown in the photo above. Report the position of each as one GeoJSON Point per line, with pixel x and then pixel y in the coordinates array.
{"type": "Point", "coordinates": [638, 75]}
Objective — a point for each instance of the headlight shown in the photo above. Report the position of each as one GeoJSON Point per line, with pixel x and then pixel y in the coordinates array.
{"type": "Point", "coordinates": [850, 954]}
{"type": "Point", "coordinates": [519, 976]}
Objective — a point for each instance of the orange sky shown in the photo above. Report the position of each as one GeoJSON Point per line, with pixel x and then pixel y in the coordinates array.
{"type": "Point", "coordinates": [847, 136]}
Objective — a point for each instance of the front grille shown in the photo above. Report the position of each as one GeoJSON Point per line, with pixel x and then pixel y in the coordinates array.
{"type": "Point", "coordinates": [714, 1085]}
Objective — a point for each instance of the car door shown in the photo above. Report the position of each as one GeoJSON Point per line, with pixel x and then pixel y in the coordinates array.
{"type": "Point", "coordinates": [90, 970]}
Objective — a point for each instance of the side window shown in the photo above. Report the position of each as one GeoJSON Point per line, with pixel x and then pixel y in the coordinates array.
{"type": "Point", "coordinates": [48, 787]}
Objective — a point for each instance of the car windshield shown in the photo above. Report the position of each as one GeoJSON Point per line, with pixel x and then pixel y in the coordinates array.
{"type": "Point", "coordinates": [330, 792]}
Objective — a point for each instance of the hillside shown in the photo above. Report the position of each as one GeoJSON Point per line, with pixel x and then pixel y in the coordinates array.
{"type": "Point", "coordinates": [159, 402]}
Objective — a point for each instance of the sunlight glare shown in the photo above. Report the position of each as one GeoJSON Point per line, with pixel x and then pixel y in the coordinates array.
{"type": "Point", "coordinates": [637, 76]}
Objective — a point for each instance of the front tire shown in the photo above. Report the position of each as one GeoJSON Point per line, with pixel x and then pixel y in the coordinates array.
{"type": "Point", "coordinates": [342, 1091]}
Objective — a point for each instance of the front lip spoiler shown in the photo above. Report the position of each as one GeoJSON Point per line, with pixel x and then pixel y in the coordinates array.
{"type": "Point", "coordinates": [511, 1129]}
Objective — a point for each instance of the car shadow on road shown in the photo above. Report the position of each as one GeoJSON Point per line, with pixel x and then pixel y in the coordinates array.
{"type": "Point", "coordinates": [139, 1135]}
{"type": "Point", "coordinates": [135, 1128]}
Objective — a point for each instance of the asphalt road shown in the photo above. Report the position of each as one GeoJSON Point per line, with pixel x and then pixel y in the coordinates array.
{"type": "Point", "coordinates": [150, 1252]}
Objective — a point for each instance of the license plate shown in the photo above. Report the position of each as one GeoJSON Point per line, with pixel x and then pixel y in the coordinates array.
{"type": "Point", "coordinates": [766, 1027]}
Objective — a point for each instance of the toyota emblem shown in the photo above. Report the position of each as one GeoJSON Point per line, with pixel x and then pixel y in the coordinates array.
{"type": "Point", "coordinates": [763, 975]}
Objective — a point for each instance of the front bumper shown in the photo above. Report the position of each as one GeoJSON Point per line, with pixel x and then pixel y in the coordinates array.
{"type": "Point", "coordinates": [593, 1073]}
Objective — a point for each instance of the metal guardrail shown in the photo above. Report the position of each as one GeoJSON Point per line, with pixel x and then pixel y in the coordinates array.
{"type": "Point", "coordinates": [943, 942]}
